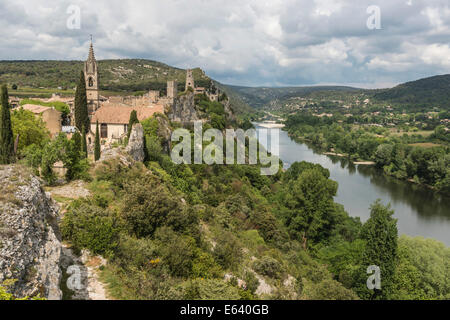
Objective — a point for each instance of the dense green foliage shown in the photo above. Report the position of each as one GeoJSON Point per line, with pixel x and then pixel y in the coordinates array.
{"type": "Point", "coordinates": [6, 134]}
{"type": "Point", "coordinates": [29, 128]}
{"type": "Point", "coordinates": [428, 92]}
{"type": "Point", "coordinates": [174, 232]}
{"type": "Point", "coordinates": [380, 233]}
{"type": "Point", "coordinates": [42, 157]}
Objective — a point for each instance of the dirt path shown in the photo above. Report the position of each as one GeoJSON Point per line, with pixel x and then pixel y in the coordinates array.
{"type": "Point", "coordinates": [87, 267]}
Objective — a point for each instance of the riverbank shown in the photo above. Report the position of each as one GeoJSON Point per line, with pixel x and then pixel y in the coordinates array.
{"type": "Point", "coordinates": [367, 163]}
{"type": "Point", "coordinates": [420, 211]}
{"type": "Point", "coordinates": [335, 154]}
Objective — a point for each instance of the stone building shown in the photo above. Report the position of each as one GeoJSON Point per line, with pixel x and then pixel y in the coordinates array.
{"type": "Point", "coordinates": [50, 116]}
{"type": "Point", "coordinates": [172, 90]}
{"type": "Point", "coordinates": [153, 96]}
{"type": "Point", "coordinates": [113, 119]}
{"type": "Point", "coordinates": [92, 81]}
{"type": "Point", "coordinates": [189, 79]}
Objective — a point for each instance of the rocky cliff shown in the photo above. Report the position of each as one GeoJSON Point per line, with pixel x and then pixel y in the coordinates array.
{"type": "Point", "coordinates": [30, 246]}
{"type": "Point", "coordinates": [183, 109]}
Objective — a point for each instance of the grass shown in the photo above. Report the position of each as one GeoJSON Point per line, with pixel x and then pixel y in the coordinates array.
{"type": "Point", "coordinates": [423, 133]}
{"type": "Point", "coordinates": [426, 145]}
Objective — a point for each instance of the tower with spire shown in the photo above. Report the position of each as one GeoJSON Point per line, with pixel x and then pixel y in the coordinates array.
{"type": "Point", "coordinates": [91, 76]}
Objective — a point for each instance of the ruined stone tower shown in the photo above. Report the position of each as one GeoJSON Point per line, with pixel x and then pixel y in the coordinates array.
{"type": "Point", "coordinates": [91, 75]}
{"type": "Point", "coordinates": [172, 89]}
{"type": "Point", "coordinates": [189, 79]}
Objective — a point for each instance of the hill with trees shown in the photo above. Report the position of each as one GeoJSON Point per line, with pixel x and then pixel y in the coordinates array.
{"type": "Point", "coordinates": [427, 92]}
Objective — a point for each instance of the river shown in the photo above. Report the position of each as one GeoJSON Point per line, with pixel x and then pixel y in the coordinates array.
{"type": "Point", "coordinates": [419, 210]}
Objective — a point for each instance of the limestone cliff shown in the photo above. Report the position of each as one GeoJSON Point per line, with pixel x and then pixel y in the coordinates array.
{"type": "Point", "coordinates": [135, 147]}
{"type": "Point", "coordinates": [183, 110]}
{"type": "Point", "coordinates": [30, 246]}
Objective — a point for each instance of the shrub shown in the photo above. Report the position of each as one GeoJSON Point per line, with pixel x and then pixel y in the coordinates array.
{"type": "Point", "coordinates": [269, 267]}
{"type": "Point", "coordinates": [90, 227]}
{"type": "Point", "coordinates": [228, 252]}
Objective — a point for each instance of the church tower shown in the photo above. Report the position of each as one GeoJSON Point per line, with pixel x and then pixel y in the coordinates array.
{"type": "Point", "coordinates": [91, 75]}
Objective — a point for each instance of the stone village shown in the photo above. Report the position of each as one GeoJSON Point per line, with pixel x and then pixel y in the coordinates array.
{"type": "Point", "coordinates": [113, 113]}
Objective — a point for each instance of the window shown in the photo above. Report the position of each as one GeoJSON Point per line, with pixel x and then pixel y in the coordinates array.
{"type": "Point", "coordinates": [125, 128]}
{"type": "Point", "coordinates": [91, 82]}
{"type": "Point", "coordinates": [104, 131]}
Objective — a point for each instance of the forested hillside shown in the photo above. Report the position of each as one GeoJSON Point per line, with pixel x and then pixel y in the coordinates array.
{"type": "Point", "coordinates": [428, 92]}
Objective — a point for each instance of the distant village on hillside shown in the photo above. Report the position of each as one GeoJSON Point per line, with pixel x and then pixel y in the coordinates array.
{"type": "Point", "coordinates": [112, 113]}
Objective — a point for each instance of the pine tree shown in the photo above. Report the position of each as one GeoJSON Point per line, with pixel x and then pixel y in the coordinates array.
{"type": "Point", "coordinates": [133, 121]}
{"type": "Point", "coordinates": [6, 134]}
{"type": "Point", "coordinates": [97, 149]}
{"type": "Point", "coordinates": [84, 149]}
{"type": "Point", "coordinates": [81, 108]}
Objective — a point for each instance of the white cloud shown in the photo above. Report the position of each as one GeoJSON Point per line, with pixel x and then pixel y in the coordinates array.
{"type": "Point", "coordinates": [251, 42]}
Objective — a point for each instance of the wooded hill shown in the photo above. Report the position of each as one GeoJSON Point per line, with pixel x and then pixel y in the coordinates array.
{"type": "Point", "coordinates": [124, 76]}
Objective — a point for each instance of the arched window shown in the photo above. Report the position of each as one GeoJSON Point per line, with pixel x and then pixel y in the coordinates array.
{"type": "Point", "coordinates": [91, 82]}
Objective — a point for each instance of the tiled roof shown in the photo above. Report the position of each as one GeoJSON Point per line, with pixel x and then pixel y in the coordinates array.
{"type": "Point", "coordinates": [120, 114]}
{"type": "Point", "coordinates": [35, 108]}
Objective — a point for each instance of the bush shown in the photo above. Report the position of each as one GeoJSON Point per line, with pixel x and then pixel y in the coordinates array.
{"type": "Point", "coordinates": [176, 251]}
{"type": "Point", "coordinates": [90, 227]}
{"type": "Point", "coordinates": [210, 290]}
{"type": "Point", "coordinates": [269, 267]}
{"type": "Point", "coordinates": [228, 252]}
{"type": "Point", "coordinates": [149, 204]}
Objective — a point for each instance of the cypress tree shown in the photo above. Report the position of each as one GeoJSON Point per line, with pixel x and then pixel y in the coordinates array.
{"type": "Point", "coordinates": [6, 134]}
{"type": "Point", "coordinates": [381, 234]}
{"type": "Point", "coordinates": [81, 108]}
{"type": "Point", "coordinates": [133, 120]}
{"type": "Point", "coordinates": [97, 144]}
{"type": "Point", "coordinates": [76, 138]}
{"type": "Point", "coordinates": [84, 149]}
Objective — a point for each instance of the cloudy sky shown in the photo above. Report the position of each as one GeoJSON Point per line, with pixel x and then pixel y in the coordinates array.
{"type": "Point", "coordinates": [243, 42]}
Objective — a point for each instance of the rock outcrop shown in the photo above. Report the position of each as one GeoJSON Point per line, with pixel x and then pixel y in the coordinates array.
{"type": "Point", "coordinates": [30, 246]}
{"type": "Point", "coordinates": [183, 109]}
{"type": "Point", "coordinates": [135, 147]}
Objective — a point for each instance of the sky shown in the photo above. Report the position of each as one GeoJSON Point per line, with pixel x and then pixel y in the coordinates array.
{"type": "Point", "coordinates": [370, 44]}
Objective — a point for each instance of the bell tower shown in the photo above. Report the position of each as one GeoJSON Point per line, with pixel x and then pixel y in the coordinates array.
{"type": "Point", "coordinates": [91, 76]}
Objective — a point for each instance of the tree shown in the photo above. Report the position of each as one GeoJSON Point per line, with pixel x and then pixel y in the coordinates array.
{"type": "Point", "coordinates": [6, 134]}
{"type": "Point", "coordinates": [381, 235]}
{"type": "Point", "coordinates": [133, 121]}
{"type": "Point", "coordinates": [84, 149]}
{"type": "Point", "coordinates": [312, 209]}
{"type": "Point", "coordinates": [81, 108]}
{"type": "Point", "coordinates": [31, 129]}
{"type": "Point", "coordinates": [97, 144]}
